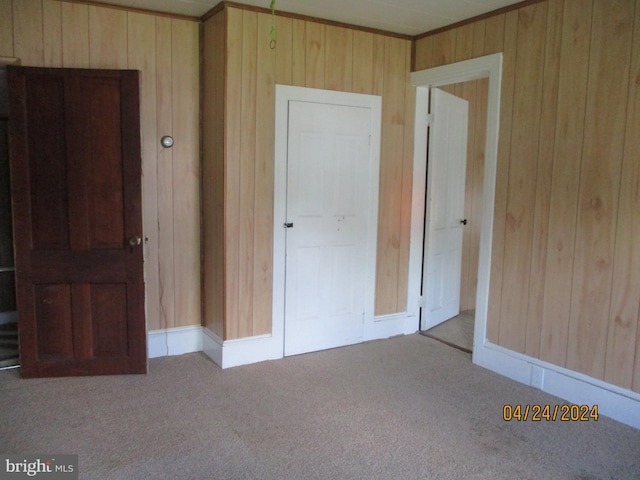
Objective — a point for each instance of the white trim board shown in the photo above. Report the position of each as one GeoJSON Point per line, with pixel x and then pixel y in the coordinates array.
{"type": "Point", "coordinates": [615, 402]}
{"type": "Point", "coordinates": [245, 351]}
{"type": "Point", "coordinates": [242, 351]}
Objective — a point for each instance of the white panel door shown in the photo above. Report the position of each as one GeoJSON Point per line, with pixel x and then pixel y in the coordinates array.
{"type": "Point", "coordinates": [445, 208]}
{"type": "Point", "coordinates": [328, 226]}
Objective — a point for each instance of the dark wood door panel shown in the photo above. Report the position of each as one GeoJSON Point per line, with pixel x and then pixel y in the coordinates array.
{"type": "Point", "coordinates": [83, 323]}
{"type": "Point", "coordinates": [45, 138]}
{"type": "Point", "coordinates": [76, 190]}
{"type": "Point", "coordinates": [52, 305]}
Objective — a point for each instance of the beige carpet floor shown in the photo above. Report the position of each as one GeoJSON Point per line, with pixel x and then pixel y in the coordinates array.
{"type": "Point", "coordinates": [398, 409]}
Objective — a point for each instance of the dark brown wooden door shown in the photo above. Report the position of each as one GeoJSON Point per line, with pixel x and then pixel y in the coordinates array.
{"type": "Point", "coordinates": [75, 183]}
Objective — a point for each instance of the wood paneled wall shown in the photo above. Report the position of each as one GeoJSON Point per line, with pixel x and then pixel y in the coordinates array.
{"type": "Point", "coordinates": [213, 172]}
{"type": "Point", "coordinates": [565, 274]}
{"type": "Point", "coordinates": [307, 54]}
{"type": "Point", "coordinates": [54, 33]}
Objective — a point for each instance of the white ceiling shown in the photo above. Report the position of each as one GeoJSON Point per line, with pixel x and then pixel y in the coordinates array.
{"type": "Point", "coordinates": [409, 17]}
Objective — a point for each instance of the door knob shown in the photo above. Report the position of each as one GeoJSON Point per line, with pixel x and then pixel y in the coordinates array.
{"type": "Point", "coordinates": [288, 225]}
{"type": "Point", "coordinates": [463, 221]}
{"type": "Point", "coordinates": [135, 240]}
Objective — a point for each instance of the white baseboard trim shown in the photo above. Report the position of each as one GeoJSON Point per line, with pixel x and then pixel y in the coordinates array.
{"type": "Point", "coordinates": [386, 326]}
{"type": "Point", "coordinates": [243, 351]}
{"type": "Point", "coordinates": [174, 341]}
{"type": "Point", "coordinates": [618, 403]}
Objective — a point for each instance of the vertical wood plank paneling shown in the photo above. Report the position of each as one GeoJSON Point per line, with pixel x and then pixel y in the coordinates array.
{"type": "Point", "coordinates": [572, 100]}
{"type": "Point", "coordinates": [338, 58]}
{"type": "Point", "coordinates": [164, 126]}
{"type": "Point", "coordinates": [599, 185]}
{"type": "Point", "coordinates": [630, 186]}
{"type": "Point", "coordinates": [393, 101]}
{"type": "Point", "coordinates": [233, 129]}
{"type": "Point", "coordinates": [624, 329]}
{"type": "Point", "coordinates": [107, 38]}
{"type": "Point", "coordinates": [378, 66]}
{"type": "Point", "coordinates": [27, 28]}
{"type": "Point", "coordinates": [314, 55]}
{"type": "Point", "coordinates": [263, 208]}
{"type": "Point", "coordinates": [494, 34]}
{"type": "Point", "coordinates": [247, 173]}
{"type": "Point", "coordinates": [298, 57]}
{"type": "Point", "coordinates": [75, 35]}
{"type": "Point", "coordinates": [141, 55]}
{"type": "Point", "coordinates": [406, 183]}
{"type": "Point", "coordinates": [52, 32]}
{"type": "Point", "coordinates": [6, 28]}
{"type": "Point", "coordinates": [424, 54]}
{"type": "Point", "coordinates": [213, 173]}
{"type": "Point", "coordinates": [362, 62]}
{"type": "Point", "coordinates": [464, 43]}
{"type": "Point", "coordinates": [283, 51]}
{"type": "Point", "coordinates": [522, 176]}
{"type": "Point", "coordinates": [543, 176]}
{"type": "Point", "coordinates": [501, 35]}
{"type": "Point", "coordinates": [185, 54]}
{"type": "Point", "coordinates": [444, 48]}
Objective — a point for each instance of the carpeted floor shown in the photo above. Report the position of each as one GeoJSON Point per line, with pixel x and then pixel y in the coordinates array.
{"type": "Point", "coordinates": [404, 408]}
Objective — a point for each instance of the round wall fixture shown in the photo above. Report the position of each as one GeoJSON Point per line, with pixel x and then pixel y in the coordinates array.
{"type": "Point", "coordinates": [167, 141]}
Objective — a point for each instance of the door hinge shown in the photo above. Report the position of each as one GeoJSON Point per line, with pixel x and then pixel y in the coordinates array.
{"type": "Point", "coordinates": [421, 302]}
{"type": "Point", "coordinates": [428, 119]}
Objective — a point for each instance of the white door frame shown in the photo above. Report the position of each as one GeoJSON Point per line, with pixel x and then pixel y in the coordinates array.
{"type": "Point", "coordinates": [489, 66]}
{"type": "Point", "coordinates": [285, 94]}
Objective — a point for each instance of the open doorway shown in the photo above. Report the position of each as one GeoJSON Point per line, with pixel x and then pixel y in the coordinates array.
{"type": "Point", "coordinates": [488, 67]}
{"type": "Point", "coordinates": [458, 326]}
{"type": "Point", "coordinates": [8, 317]}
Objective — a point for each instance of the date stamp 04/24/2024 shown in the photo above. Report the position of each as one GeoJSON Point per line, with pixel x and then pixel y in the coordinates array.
{"type": "Point", "coordinates": [550, 413]}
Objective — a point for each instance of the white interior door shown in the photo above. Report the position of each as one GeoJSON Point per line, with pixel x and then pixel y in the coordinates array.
{"type": "Point", "coordinates": [328, 225]}
{"type": "Point", "coordinates": [445, 208]}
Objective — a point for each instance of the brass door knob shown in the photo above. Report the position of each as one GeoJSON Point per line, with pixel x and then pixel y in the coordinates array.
{"type": "Point", "coordinates": [135, 240]}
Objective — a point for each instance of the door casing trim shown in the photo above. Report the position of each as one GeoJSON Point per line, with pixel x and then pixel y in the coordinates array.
{"type": "Point", "coordinates": [489, 66]}
{"type": "Point", "coordinates": [285, 94]}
